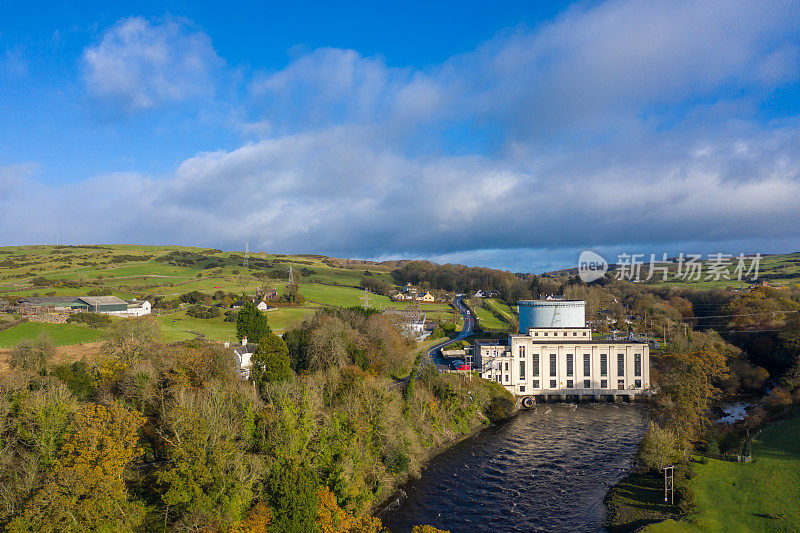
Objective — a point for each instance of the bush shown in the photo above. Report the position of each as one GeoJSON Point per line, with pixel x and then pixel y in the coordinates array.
{"type": "Point", "coordinates": [93, 320]}
{"type": "Point", "coordinates": [105, 291]}
{"type": "Point", "coordinates": [660, 447]}
{"type": "Point", "coordinates": [199, 311]}
{"type": "Point", "coordinates": [33, 355]}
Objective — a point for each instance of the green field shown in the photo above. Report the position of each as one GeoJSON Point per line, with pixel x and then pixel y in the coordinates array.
{"type": "Point", "coordinates": [62, 334]}
{"type": "Point", "coordinates": [136, 272]}
{"type": "Point", "coordinates": [758, 496]}
{"type": "Point", "coordinates": [487, 319]}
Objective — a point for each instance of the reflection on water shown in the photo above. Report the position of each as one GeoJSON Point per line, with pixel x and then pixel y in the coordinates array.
{"type": "Point", "coordinates": [546, 470]}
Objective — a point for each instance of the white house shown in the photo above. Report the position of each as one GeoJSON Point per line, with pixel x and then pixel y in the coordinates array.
{"type": "Point", "coordinates": [243, 353]}
{"type": "Point", "coordinates": [138, 308]}
{"type": "Point", "coordinates": [262, 306]}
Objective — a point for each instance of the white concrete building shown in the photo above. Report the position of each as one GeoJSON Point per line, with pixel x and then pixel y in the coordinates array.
{"type": "Point", "coordinates": [562, 360]}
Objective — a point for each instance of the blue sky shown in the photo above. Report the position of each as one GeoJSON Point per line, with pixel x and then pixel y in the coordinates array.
{"type": "Point", "coordinates": [511, 135]}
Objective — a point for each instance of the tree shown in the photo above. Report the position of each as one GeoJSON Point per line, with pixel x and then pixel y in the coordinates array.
{"type": "Point", "coordinates": [132, 339]}
{"type": "Point", "coordinates": [86, 490]}
{"type": "Point", "coordinates": [251, 323]}
{"type": "Point", "coordinates": [333, 519]}
{"type": "Point", "coordinates": [33, 355]}
{"type": "Point", "coordinates": [271, 361]}
{"type": "Point", "coordinates": [292, 490]}
{"type": "Point", "coordinates": [428, 529]}
{"type": "Point", "coordinates": [660, 447]}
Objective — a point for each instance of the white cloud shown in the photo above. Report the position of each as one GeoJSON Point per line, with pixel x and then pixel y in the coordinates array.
{"type": "Point", "coordinates": [140, 65]}
{"type": "Point", "coordinates": [617, 124]}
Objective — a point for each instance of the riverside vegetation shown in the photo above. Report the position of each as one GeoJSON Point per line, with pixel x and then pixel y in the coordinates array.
{"type": "Point", "coordinates": [165, 437]}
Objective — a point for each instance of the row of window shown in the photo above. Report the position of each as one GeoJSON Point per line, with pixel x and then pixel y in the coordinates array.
{"type": "Point", "coordinates": [587, 384]}
{"type": "Point", "coordinates": [587, 364]}
{"type": "Point", "coordinates": [565, 333]}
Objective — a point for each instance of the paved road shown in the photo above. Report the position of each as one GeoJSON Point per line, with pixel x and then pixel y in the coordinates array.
{"type": "Point", "coordinates": [434, 354]}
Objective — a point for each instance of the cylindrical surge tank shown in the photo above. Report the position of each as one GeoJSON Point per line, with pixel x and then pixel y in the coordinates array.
{"type": "Point", "coordinates": [551, 314]}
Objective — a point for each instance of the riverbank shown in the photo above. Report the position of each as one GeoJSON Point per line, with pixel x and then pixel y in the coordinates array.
{"type": "Point", "coordinates": [762, 495]}
{"type": "Point", "coordinates": [489, 416]}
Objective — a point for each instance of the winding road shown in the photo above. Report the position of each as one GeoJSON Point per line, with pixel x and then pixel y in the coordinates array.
{"type": "Point", "coordinates": [434, 352]}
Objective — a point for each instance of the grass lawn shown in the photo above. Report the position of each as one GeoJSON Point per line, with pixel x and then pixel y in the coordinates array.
{"type": "Point", "coordinates": [341, 296]}
{"type": "Point", "coordinates": [284, 318]}
{"type": "Point", "coordinates": [179, 326]}
{"type": "Point", "coordinates": [760, 496]}
{"type": "Point", "coordinates": [636, 501]}
{"type": "Point", "coordinates": [507, 312]}
{"type": "Point", "coordinates": [62, 334]}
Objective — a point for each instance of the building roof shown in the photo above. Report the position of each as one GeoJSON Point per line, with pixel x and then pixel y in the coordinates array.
{"type": "Point", "coordinates": [48, 300]}
{"type": "Point", "coordinates": [102, 300]}
{"type": "Point", "coordinates": [249, 348]}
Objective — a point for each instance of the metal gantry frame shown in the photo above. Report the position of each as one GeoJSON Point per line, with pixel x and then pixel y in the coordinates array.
{"type": "Point", "coordinates": [669, 484]}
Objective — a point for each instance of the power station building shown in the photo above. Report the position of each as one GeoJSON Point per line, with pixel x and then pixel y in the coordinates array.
{"type": "Point", "coordinates": [554, 355]}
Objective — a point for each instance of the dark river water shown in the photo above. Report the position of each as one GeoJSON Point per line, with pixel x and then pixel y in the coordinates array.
{"type": "Point", "coordinates": [546, 470]}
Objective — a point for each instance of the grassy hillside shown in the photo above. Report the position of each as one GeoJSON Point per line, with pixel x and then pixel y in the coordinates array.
{"type": "Point", "coordinates": [778, 269]}
{"type": "Point", "coordinates": [129, 271]}
{"type": "Point", "coordinates": [758, 496]}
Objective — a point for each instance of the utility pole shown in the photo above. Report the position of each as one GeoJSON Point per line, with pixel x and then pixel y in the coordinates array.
{"type": "Point", "coordinates": [669, 486]}
{"type": "Point", "coordinates": [367, 301]}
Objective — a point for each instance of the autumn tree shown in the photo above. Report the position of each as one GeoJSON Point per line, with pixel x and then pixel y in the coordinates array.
{"type": "Point", "coordinates": [132, 339]}
{"type": "Point", "coordinates": [689, 383]}
{"type": "Point", "coordinates": [333, 519]}
{"type": "Point", "coordinates": [251, 323]}
{"type": "Point", "coordinates": [33, 355]}
{"type": "Point", "coordinates": [660, 447]}
{"type": "Point", "coordinates": [86, 491]}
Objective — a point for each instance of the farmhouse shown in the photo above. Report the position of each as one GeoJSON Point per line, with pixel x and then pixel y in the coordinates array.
{"type": "Point", "coordinates": [554, 356]}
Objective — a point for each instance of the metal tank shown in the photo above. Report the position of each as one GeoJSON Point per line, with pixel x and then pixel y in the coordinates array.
{"type": "Point", "coordinates": [551, 314]}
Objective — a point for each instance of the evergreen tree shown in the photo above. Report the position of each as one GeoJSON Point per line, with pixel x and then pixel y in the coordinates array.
{"type": "Point", "coordinates": [271, 361]}
{"type": "Point", "coordinates": [251, 323]}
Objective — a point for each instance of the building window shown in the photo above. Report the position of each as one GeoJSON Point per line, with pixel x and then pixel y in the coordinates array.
{"type": "Point", "coordinates": [637, 364]}
{"type": "Point", "coordinates": [552, 365]}
{"type": "Point", "coordinates": [522, 388]}
{"type": "Point", "coordinates": [570, 364]}
{"type": "Point", "coordinates": [552, 384]}
{"type": "Point", "coordinates": [587, 364]}
{"type": "Point", "coordinates": [536, 334]}
{"type": "Point", "coordinates": [621, 384]}
{"type": "Point", "coordinates": [587, 384]}
{"type": "Point", "coordinates": [584, 333]}
{"type": "Point", "coordinates": [535, 369]}
{"type": "Point", "coordinates": [574, 333]}
{"type": "Point", "coordinates": [522, 370]}
{"type": "Point", "coordinates": [620, 364]}
{"type": "Point", "coordinates": [522, 351]}
{"type": "Point", "coordinates": [545, 334]}
{"type": "Point", "coordinates": [506, 378]}
{"type": "Point", "coordinates": [603, 383]}
{"type": "Point", "coordinates": [497, 378]}
{"type": "Point", "coordinates": [535, 383]}
{"type": "Point", "coordinates": [637, 384]}
{"type": "Point", "coordinates": [506, 366]}
{"type": "Point", "coordinates": [603, 364]}
{"type": "Point", "coordinates": [570, 384]}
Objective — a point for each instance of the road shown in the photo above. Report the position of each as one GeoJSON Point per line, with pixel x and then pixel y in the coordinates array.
{"type": "Point", "coordinates": [433, 355]}
{"type": "Point", "coordinates": [434, 352]}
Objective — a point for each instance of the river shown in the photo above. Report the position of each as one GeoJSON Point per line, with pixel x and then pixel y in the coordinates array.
{"type": "Point", "coordinates": [545, 470]}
